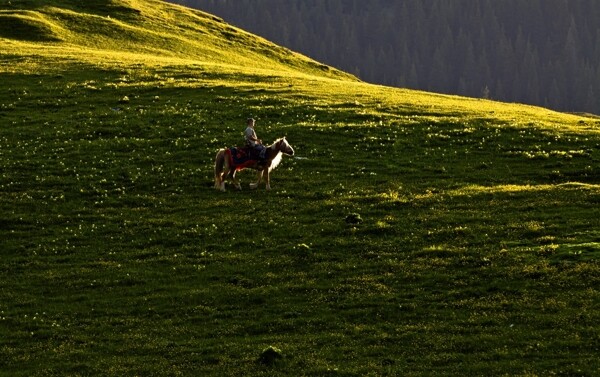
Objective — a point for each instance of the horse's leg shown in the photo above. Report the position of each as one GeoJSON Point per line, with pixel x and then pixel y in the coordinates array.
{"type": "Point", "coordinates": [258, 178]}
{"type": "Point", "coordinates": [217, 180]}
{"type": "Point", "coordinates": [236, 182]}
{"type": "Point", "coordinates": [223, 179]}
{"type": "Point", "coordinates": [226, 174]}
{"type": "Point", "coordinates": [268, 178]}
{"type": "Point", "coordinates": [219, 166]}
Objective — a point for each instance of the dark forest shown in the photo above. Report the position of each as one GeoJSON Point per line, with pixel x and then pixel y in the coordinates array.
{"type": "Point", "coordinates": [541, 52]}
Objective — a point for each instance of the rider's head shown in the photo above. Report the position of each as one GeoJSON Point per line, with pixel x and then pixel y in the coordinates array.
{"type": "Point", "coordinates": [250, 122]}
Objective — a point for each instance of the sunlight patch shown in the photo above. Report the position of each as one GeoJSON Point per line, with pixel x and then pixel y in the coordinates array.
{"type": "Point", "coordinates": [580, 252]}
{"type": "Point", "coordinates": [477, 189]}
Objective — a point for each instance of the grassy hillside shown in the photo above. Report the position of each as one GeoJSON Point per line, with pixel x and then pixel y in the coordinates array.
{"type": "Point", "coordinates": [105, 32]}
{"type": "Point", "coordinates": [411, 234]}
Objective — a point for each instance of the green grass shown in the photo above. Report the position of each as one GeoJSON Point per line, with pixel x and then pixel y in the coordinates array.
{"type": "Point", "coordinates": [477, 253]}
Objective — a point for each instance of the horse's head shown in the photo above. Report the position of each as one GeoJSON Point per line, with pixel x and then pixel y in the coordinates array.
{"type": "Point", "coordinates": [285, 147]}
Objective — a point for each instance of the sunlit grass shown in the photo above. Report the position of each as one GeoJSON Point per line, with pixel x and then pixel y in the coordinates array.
{"type": "Point", "coordinates": [412, 233]}
{"type": "Point", "coordinates": [472, 189]}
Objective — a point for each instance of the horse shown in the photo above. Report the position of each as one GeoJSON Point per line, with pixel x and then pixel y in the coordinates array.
{"type": "Point", "coordinates": [226, 168]}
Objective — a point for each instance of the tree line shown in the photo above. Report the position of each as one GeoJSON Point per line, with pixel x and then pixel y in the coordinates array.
{"type": "Point", "coordinates": [541, 52]}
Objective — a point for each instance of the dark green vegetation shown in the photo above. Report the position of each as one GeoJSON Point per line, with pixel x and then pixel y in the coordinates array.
{"type": "Point", "coordinates": [476, 252]}
{"type": "Point", "coordinates": [541, 52]}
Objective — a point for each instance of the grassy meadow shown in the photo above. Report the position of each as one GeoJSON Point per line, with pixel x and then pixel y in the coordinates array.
{"type": "Point", "coordinates": [412, 233]}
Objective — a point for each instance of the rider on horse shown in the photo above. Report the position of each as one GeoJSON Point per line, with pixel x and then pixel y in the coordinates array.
{"type": "Point", "coordinates": [252, 140]}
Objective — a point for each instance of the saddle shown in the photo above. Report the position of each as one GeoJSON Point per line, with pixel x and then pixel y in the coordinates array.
{"type": "Point", "coordinates": [241, 158]}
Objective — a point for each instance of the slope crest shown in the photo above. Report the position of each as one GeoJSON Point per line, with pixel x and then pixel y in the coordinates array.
{"type": "Point", "coordinates": [28, 26]}
{"type": "Point", "coordinates": [149, 30]}
{"type": "Point", "coordinates": [99, 7]}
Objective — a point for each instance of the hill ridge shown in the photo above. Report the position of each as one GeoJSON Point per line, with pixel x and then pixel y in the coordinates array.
{"type": "Point", "coordinates": [152, 27]}
{"type": "Point", "coordinates": [161, 33]}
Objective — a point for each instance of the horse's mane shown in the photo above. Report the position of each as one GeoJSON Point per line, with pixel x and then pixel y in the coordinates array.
{"type": "Point", "coordinates": [275, 162]}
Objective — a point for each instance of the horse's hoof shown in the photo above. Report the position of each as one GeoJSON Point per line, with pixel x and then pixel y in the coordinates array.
{"type": "Point", "coordinates": [253, 186]}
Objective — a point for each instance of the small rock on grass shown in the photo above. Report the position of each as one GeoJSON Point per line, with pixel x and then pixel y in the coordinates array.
{"type": "Point", "coordinates": [270, 355]}
{"type": "Point", "coordinates": [354, 218]}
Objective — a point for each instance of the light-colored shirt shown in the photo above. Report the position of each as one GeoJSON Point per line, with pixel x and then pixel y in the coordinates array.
{"type": "Point", "coordinates": [251, 138]}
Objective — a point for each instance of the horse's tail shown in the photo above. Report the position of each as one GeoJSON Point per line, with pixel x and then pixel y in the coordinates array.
{"type": "Point", "coordinates": [219, 166]}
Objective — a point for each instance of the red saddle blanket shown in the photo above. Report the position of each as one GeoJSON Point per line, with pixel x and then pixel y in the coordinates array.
{"type": "Point", "coordinates": [240, 158]}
